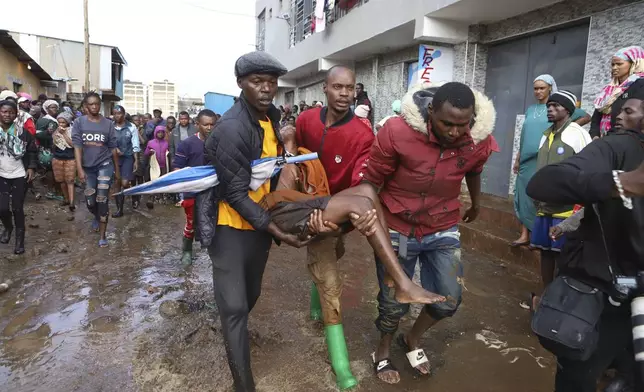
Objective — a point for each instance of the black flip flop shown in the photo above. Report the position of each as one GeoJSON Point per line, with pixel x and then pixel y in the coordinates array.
{"type": "Point", "coordinates": [382, 365]}
{"type": "Point", "coordinates": [419, 355]}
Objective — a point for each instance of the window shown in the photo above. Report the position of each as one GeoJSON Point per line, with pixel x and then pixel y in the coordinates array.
{"type": "Point", "coordinates": [302, 14]}
{"type": "Point", "coordinates": [261, 31]}
{"type": "Point", "coordinates": [16, 87]}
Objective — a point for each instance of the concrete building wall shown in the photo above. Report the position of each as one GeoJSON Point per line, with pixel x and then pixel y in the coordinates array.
{"type": "Point", "coordinates": [163, 95]}
{"type": "Point", "coordinates": [135, 97]}
{"type": "Point", "coordinates": [12, 71]}
{"type": "Point", "coordinates": [609, 31]}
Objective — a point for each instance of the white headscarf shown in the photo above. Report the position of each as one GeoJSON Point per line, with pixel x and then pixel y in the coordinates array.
{"type": "Point", "coordinates": [549, 80]}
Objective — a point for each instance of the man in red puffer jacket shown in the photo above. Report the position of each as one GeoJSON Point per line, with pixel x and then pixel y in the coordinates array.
{"type": "Point", "coordinates": [418, 162]}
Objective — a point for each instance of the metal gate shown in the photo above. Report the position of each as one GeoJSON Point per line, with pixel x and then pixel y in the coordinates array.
{"type": "Point", "coordinates": [511, 68]}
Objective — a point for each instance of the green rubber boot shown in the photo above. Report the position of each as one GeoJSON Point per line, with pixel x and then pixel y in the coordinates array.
{"type": "Point", "coordinates": [186, 249]}
{"type": "Point", "coordinates": [316, 308]}
{"type": "Point", "coordinates": [339, 357]}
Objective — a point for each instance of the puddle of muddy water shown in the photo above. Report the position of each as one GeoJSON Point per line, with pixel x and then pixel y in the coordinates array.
{"type": "Point", "coordinates": [71, 320]}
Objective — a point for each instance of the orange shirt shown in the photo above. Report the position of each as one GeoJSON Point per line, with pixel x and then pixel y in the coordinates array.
{"type": "Point", "coordinates": [227, 215]}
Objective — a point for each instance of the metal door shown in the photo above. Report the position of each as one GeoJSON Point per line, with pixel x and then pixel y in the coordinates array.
{"type": "Point", "coordinates": [512, 66]}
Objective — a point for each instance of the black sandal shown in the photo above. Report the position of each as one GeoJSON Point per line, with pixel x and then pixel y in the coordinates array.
{"type": "Point", "coordinates": [383, 365]}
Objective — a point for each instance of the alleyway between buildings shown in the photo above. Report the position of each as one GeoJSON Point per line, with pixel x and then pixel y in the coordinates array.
{"type": "Point", "coordinates": [129, 318]}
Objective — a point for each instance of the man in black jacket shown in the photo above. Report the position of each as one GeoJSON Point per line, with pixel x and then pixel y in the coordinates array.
{"type": "Point", "coordinates": [244, 231]}
{"type": "Point", "coordinates": [608, 173]}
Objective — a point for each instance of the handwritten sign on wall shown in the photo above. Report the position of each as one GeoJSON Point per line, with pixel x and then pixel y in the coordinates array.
{"type": "Point", "coordinates": [435, 64]}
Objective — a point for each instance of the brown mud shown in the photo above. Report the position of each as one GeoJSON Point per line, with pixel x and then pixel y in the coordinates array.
{"type": "Point", "coordinates": [130, 318]}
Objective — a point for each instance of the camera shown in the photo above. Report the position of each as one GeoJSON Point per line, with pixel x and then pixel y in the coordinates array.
{"type": "Point", "coordinates": [628, 287]}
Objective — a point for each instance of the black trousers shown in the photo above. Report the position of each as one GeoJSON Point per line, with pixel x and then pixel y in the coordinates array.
{"type": "Point", "coordinates": [615, 345]}
{"type": "Point", "coordinates": [12, 200]}
{"type": "Point", "coordinates": [238, 261]}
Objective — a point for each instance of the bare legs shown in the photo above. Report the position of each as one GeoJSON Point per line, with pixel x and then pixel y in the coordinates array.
{"type": "Point", "coordinates": [338, 211]}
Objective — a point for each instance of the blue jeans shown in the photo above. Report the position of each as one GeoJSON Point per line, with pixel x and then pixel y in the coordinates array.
{"type": "Point", "coordinates": [441, 270]}
{"type": "Point", "coordinates": [97, 189]}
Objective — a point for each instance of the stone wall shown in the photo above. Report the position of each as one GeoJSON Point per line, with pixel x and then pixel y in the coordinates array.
{"type": "Point", "coordinates": [609, 31]}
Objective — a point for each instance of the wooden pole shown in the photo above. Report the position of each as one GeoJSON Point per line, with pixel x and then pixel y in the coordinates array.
{"type": "Point", "coordinates": [86, 19]}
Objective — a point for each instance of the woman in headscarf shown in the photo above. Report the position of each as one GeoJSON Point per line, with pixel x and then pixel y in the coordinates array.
{"type": "Point", "coordinates": [362, 112]}
{"type": "Point", "coordinates": [18, 161]}
{"type": "Point", "coordinates": [535, 123]}
{"type": "Point", "coordinates": [64, 162]}
{"type": "Point", "coordinates": [627, 66]}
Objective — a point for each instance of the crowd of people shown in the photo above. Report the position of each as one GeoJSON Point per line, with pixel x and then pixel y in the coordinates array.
{"type": "Point", "coordinates": [67, 148]}
{"type": "Point", "coordinates": [398, 183]}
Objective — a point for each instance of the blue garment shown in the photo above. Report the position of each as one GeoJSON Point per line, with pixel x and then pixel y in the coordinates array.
{"type": "Point", "coordinates": [536, 122]}
{"type": "Point", "coordinates": [97, 189]}
{"type": "Point", "coordinates": [127, 139]}
{"type": "Point", "coordinates": [97, 140]}
{"type": "Point", "coordinates": [540, 238]}
{"type": "Point", "coordinates": [190, 153]}
{"type": "Point", "coordinates": [439, 255]}
{"type": "Point", "coordinates": [126, 167]}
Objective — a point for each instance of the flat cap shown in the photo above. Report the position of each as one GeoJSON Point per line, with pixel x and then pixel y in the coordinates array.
{"type": "Point", "coordinates": [258, 63]}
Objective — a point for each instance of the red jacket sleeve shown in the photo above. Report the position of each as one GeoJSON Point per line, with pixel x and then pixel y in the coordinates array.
{"type": "Point", "coordinates": [382, 158]}
{"type": "Point", "coordinates": [299, 124]}
{"type": "Point", "coordinates": [485, 149]}
{"type": "Point", "coordinates": [30, 127]}
{"type": "Point", "coordinates": [363, 158]}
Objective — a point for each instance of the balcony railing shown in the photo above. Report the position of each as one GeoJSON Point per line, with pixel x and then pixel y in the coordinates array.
{"type": "Point", "coordinates": [303, 12]}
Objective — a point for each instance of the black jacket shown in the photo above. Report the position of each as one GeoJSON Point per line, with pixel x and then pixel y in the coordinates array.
{"type": "Point", "coordinates": [234, 143]}
{"type": "Point", "coordinates": [587, 178]}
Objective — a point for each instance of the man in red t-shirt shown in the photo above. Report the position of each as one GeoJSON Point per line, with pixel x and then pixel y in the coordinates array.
{"type": "Point", "coordinates": [343, 143]}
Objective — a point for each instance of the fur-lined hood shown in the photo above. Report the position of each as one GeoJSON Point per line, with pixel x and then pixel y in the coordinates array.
{"type": "Point", "coordinates": [417, 117]}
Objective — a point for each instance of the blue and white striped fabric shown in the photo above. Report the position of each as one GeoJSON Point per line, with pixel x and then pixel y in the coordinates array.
{"type": "Point", "coordinates": [197, 179]}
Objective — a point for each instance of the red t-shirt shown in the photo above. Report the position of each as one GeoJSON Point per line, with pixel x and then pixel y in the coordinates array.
{"type": "Point", "coordinates": [345, 149]}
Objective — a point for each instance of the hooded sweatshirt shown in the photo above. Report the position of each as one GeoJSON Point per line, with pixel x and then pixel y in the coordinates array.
{"type": "Point", "coordinates": [160, 146]}
{"type": "Point", "coordinates": [419, 178]}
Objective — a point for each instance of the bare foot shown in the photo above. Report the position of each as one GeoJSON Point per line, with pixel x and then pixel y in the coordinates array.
{"type": "Point", "coordinates": [423, 368]}
{"type": "Point", "coordinates": [389, 376]}
{"type": "Point", "coordinates": [417, 295]}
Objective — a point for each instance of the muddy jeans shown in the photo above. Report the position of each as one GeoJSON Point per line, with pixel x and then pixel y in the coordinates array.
{"type": "Point", "coordinates": [322, 258]}
{"type": "Point", "coordinates": [238, 261]}
{"type": "Point", "coordinates": [441, 272]}
{"type": "Point", "coordinates": [97, 189]}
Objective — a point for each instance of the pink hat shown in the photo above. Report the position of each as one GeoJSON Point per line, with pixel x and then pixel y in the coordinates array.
{"type": "Point", "coordinates": [25, 95]}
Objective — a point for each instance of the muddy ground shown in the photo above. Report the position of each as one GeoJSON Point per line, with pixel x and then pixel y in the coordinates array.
{"type": "Point", "coordinates": [80, 318]}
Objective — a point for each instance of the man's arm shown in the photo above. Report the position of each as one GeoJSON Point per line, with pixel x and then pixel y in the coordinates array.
{"type": "Point", "coordinates": [230, 155]}
{"type": "Point", "coordinates": [181, 157]}
{"type": "Point", "coordinates": [585, 178]}
{"type": "Point", "coordinates": [382, 158]}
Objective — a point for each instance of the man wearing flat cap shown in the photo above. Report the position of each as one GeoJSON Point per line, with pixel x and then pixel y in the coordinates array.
{"type": "Point", "coordinates": [230, 222]}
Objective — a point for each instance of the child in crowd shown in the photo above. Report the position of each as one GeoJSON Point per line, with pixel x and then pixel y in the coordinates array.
{"type": "Point", "coordinates": [64, 163]}
{"type": "Point", "coordinates": [159, 148]}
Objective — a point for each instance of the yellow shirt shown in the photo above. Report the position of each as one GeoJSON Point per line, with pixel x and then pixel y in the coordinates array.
{"type": "Point", "coordinates": [227, 215]}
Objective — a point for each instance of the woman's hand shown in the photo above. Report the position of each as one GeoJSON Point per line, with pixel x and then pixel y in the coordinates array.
{"type": "Point", "coordinates": [81, 175]}
{"type": "Point", "coordinates": [31, 173]}
{"type": "Point", "coordinates": [515, 168]}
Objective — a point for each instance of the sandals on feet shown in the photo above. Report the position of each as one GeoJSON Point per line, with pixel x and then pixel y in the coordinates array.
{"type": "Point", "coordinates": [102, 243]}
{"type": "Point", "coordinates": [383, 365]}
{"type": "Point", "coordinates": [415, 357]}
